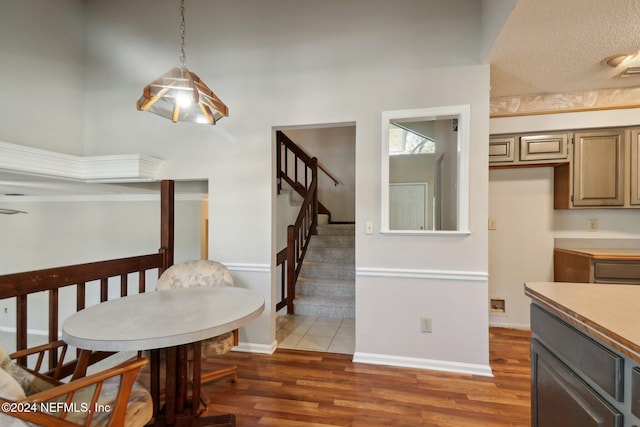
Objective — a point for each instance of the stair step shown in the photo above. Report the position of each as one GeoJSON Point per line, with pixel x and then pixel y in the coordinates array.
{"type": "Point", "coordinates": [336, 230]}
{"type": "Point", "coordinates": [326, 287]}
{"type": "Point", "coordinates": [328, 270]}
{"type": "Point", "coordinates": [330, 254]}
{"type": "Point", "coordinates": [326, 284]}
{"type": "Point", "coordinates": [325, 306]}
{"type": "Point", "coordinates": [333, 241]}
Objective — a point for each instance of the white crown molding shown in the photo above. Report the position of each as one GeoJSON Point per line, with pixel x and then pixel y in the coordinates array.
{"type": "Point", "coordinates": [108, 168]}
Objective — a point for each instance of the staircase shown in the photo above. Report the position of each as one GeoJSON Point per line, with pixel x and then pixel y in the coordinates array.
{"type": "Point", "coordinates": [326, 284]}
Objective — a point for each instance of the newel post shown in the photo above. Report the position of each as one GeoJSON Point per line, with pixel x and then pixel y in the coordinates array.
{"type": "Point", "coordinates": [291, 268]}
{"type": "Point", "coordinates": [314, 189]}
{"type": "Point", "coordinates": [167, 223]}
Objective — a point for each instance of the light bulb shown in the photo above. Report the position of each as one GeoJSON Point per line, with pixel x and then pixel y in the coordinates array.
{"type": "Point", "coordinates": [184, 101]}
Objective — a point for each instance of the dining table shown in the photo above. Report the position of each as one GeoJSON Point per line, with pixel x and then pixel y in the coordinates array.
{"type": "Point", "coordinates": [170, 324]}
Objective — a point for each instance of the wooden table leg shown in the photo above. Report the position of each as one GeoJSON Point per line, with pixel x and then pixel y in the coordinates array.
{"type": "Point", "coordinates": [181, 409]}
{"type": "Point", "coordinates": [81, 367]}
{"type": "Point", "coordinates": [171, 385]}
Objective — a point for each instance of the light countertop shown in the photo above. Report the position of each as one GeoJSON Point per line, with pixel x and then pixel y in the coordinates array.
{"type": "Point", "coordinates": [629, 254]}
{"type": "Point", "coordinates": [610, 313]}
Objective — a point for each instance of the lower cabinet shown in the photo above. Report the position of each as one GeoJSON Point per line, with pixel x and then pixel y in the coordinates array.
{"type": "Point", "coordinates": [578, 381]}
{"type": "Point", "coordinates": [561, 399]}
{"type": "Point", "coordinates": [589, 266]}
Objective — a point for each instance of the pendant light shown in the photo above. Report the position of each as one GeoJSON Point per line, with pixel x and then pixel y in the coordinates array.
{"type": "Point", "coordinates": [180, 95]}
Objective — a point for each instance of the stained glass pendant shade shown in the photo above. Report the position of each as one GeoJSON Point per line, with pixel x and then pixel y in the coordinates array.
{"type": "Point", "coordinates": [180, 95]}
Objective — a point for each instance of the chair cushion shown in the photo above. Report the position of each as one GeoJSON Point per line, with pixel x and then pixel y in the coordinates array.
{"type": "Point", "coordinates": [217, 345]}
{"type": "Point", "coordinates": [195, 273]}
{"type": "Point", "coordinates": [9, 387]}
{"type": "Point", "coordinates": [139, 408]}
{"type": "Point", "coordinates": [10, 390]}
{"type": "Point", "coordinates": [28, 382]}
{"type": "Point", "coordinates": [16, 383]}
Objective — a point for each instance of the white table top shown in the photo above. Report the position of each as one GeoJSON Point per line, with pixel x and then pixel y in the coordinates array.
{"type": "Point", "coordinates": [159, 319]}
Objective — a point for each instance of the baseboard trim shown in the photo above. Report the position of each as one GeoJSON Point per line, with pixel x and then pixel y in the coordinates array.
{"type": "Point", "coordinates": [520, 326]}
{"type": "Point", "coordinates": [427, 364]}
{"type": "Point", "coordinates": [256, 348]}
{"type": "Point", "coordinates": [13, 330]}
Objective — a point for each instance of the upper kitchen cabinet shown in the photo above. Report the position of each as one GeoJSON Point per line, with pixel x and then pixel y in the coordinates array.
{"type": "Point", "coordinates": [598, 168]}
{"type": "Point", "coordinates": [528, 149]}
{"type": "Point", "coordinates": [603, 173]}
{"type": "Point", "coordinates": [502, 149]}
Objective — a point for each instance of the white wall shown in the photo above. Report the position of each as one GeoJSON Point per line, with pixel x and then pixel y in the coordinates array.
{"type": "Point", "coordinates": [521, 201]}
{"type": "Point", "coordinates": [292, 63]}
{"type": "Point", "coordinates": [42, 47]}
{"type": "Point", "coordinates": [402, 278]}
{"type": "Point", "coordinates": [521, 246]}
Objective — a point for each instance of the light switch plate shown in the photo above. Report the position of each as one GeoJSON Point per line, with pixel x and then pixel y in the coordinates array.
{"type": "Point", "coordinates": [368, 227]}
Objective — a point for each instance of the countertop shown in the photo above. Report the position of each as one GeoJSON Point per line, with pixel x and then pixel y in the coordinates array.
{"type": "Point", "coordinates": [610, 313]}
{"type": "Point", "coordinates": [628, 254]}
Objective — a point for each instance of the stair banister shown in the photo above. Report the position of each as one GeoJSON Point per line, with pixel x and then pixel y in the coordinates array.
{"type": "Point", "coordinates": [299, 234]}
{"type": "Point", "coordinates": [305, 183]}
{"type": "Point", "coordinates": [284, 142]}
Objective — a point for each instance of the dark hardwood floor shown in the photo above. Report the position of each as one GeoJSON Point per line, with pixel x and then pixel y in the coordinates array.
{"type": "Point", "coordinates": [294, 388]}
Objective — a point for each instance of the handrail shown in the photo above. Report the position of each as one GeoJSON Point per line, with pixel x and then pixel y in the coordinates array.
{"type": "Point", "coordinates": [300, 152]}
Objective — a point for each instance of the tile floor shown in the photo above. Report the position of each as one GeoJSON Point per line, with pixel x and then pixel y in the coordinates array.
{"type": "Point", "coordinates": [328, 334]}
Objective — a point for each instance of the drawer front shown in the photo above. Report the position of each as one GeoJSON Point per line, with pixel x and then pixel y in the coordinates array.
{"type": "Point", "coordinates": [635, 392]}
{"type": "Point", "coordinates": [501, 150]}
{"type": "Point", "coordinates": [544, 147]}
{"type": "Point", "coordinates": [559, 398]}
{"type": "Point", "coordinates": [611, 271]}
{"type": "Point", "coordinates": [596, 362]}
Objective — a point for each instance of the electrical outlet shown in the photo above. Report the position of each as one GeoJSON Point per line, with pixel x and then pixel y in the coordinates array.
{"type": "Point", "coordinates": [425, 324]}
{"type": "Point", "coordinates": [592, 225]}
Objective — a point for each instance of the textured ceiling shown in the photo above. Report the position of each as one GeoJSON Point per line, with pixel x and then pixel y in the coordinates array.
{"type": "Point", "coordinates": [556, 46]}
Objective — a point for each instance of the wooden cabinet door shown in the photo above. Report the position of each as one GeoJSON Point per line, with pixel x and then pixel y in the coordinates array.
{"type": "Point", "coordinates": [559, 398]}
{"type": "Point", "coordinates": [502, 149]}
{"type": "Point", "coordinates": [544, 147]}
{"type": "Point", "coordinates": [635, 164]}
{"type": "Point", "coordinates": [598, 174]}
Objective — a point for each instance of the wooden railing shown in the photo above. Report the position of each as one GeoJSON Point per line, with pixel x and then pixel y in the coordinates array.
{"type": "Point", "coordinates": [84, 278]}
{"type": "Point", "coordinates": [300, 171]}
{"type": "Point", "coordinates": [285, 143]}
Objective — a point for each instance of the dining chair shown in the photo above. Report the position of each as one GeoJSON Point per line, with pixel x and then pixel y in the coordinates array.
{"type": "Point", "coordinates": [204, 273]}
{"type": "Point", "coordinates": [108, 398]}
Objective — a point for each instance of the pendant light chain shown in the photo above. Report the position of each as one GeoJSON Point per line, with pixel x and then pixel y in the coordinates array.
{"type": "Point", "coordinates": [183, 56]}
